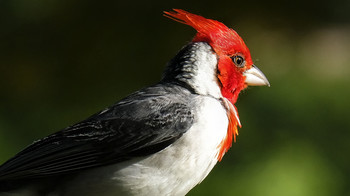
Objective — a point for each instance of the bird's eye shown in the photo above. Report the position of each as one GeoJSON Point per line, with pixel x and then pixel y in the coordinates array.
{"type": "Point", "coordinates": [238, 61]}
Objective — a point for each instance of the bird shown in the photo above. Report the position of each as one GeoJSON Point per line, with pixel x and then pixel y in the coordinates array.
{"type": "Point", "coordinates": [161, 140]}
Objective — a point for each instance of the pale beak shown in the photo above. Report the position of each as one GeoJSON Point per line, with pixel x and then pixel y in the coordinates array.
{"type": "Point", "coordinates": [254, 77]}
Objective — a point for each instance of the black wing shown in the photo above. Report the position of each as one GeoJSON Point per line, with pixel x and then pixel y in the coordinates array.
{"type": "Point", "coordinates": [141, 124]}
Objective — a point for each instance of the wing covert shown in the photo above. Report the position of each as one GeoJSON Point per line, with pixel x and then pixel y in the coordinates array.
{"type": "Point", "coordinates": [139, 125]}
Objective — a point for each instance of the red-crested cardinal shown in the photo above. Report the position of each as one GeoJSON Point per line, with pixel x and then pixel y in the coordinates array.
{"type": "Point", "coordinates": [161, 140]}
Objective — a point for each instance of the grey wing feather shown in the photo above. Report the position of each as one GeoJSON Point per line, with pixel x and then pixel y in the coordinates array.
{"type": "Point", "coordinates": [141, 124]}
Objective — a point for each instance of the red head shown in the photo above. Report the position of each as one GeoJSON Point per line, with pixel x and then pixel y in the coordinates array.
{"type": "Point", "coordinates": [235, 65]}
{"type": "Point", "coordinates": [233, 55]}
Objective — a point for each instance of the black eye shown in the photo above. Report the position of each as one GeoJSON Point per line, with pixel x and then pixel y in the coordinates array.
{"type": "Point", "coordinates": [238, 61]}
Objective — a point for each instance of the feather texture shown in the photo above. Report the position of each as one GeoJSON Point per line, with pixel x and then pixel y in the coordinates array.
{"type": "Point", "coordinates": [139, 125]}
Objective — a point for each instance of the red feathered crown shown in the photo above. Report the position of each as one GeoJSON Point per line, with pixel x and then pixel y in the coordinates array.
{"type": "Point", "coordinates": [222, 39]}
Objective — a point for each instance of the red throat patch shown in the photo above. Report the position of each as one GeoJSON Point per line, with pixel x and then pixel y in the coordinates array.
{"type": "Point", "coordinates": [232, 130]}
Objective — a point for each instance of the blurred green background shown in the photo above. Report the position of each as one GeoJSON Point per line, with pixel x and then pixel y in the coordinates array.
{"type": "Point", "coordinates": [61, 61]}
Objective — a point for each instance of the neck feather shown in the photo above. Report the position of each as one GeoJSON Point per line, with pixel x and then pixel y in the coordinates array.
{"type": "Point", "coordinates": [196, 66]}
{"type": "Point", "coordinates": [232, 129]}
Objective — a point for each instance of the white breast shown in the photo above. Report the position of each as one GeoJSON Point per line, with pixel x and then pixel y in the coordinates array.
{"type": "Point", "coordinates": [172, 171]}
